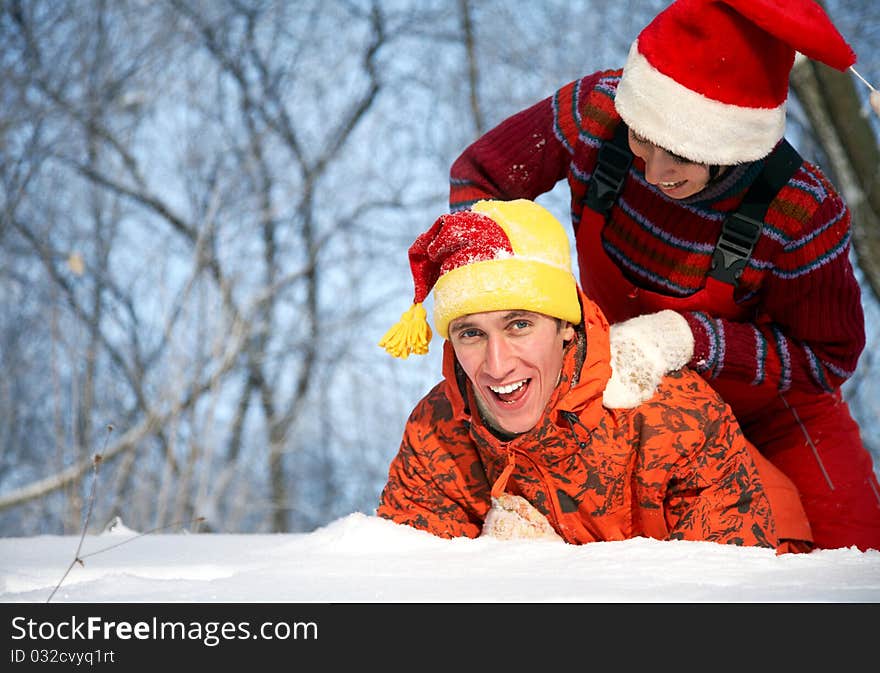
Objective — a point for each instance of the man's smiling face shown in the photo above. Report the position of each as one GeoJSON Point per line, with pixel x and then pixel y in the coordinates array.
{"type": "Point", "coordinates": [513, 360]}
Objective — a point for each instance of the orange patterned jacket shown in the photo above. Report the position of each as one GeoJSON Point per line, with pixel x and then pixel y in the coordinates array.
{"type": "Point", "coordinates": [674, 468]}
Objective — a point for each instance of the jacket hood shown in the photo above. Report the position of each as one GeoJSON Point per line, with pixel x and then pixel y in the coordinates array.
{"type": "Point", "coordinates": [586, 369]}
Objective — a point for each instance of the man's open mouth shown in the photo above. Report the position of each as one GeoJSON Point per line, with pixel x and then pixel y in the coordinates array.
{"type": "Point", "coordinates": [511, 392]}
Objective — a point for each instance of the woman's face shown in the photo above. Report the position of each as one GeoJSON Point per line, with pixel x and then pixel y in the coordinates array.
{"type": "Point", "coordinates": [673, 175]}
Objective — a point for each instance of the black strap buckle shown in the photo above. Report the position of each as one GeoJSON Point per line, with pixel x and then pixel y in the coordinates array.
{"type": "Point", "coordinates": [742, 229]}
{"type": "Point", "coordinates": [739, 235]}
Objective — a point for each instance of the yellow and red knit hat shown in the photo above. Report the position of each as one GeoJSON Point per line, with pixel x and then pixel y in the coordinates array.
{"type": "Point", "coordinates": [499, 255]}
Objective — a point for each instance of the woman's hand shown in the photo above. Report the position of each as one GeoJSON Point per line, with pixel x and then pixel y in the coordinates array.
{"type": "Point", "coordinates": [643, 350]}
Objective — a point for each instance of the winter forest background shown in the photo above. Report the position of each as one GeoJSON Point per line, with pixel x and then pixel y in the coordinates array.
{"type": "Point", "coordinates": [205, 209]}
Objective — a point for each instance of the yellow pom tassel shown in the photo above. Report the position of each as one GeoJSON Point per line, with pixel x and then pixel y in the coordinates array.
{"type": "Point", "coordinates": [411, 335]}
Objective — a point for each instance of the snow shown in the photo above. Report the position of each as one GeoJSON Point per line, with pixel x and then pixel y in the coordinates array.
{"type": "Point", "coordinates": [361, 558]}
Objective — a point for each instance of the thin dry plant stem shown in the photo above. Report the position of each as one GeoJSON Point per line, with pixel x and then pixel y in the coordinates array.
{"type": "Point", "coordinates": [198, 519]}
{"type": "Point", "coordinates": [96, 461]}
{"type": "Point", "coordinates": [78, 557]}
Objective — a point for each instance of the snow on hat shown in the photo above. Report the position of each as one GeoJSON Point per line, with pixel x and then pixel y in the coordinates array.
{"type": "Point", "coordinates": [499, 255]}
{"type": "Point", "coordinates": [708, 79]}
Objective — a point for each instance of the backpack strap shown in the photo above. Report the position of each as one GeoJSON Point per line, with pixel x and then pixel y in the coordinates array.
{"type": "Point", "coordinates": [612, 166]}
{"type": "Point", "coordinates": [742, 227]}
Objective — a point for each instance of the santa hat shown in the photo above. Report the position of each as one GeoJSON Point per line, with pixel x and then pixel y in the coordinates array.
{"type": "Point", "coordinates": [499, 255]}
{"type": "Point", "coordinates": [708, 79]}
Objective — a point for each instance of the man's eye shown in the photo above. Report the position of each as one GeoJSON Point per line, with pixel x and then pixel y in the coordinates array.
{"type": "Point", "coordinates": [520, 324]}
{"type": "Point", "coordinates": [468, 334]}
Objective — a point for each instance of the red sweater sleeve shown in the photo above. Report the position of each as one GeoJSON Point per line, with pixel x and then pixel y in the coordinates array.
{"type": "Point", "coordinates": [521, 158]}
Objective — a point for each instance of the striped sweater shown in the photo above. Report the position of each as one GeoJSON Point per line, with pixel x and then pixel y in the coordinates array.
{"type": "Point", "coordinates": [807, 328]}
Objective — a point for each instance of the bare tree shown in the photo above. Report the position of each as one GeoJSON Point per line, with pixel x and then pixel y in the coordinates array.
{"type": "Point", "coordinates": [105, 157]}
{"type": "Point", "coordinates": [838, 117]}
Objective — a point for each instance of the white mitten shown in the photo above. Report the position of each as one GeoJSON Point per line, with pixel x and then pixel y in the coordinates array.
{"type": "Point", "coordinates": [643, 350]}
{"type": "Point", "coordinates": [513, 517]}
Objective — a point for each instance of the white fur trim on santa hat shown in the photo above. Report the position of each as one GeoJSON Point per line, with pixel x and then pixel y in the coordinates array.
{"type": "Point", "coordinates": [689, 124]}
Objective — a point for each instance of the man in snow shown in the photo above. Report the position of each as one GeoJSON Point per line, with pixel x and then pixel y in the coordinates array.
{"type": "Point", "coordinates": [516, 442]}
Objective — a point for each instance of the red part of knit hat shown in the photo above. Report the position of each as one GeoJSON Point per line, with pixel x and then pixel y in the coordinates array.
{"type": "Point", "coordinates": [453, 241]}
{"type": "Point", "coordinates": [708, 79]}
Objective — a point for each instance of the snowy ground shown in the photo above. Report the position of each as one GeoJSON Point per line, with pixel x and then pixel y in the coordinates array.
{"type": "Point", "coordinates": [361, 559]}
